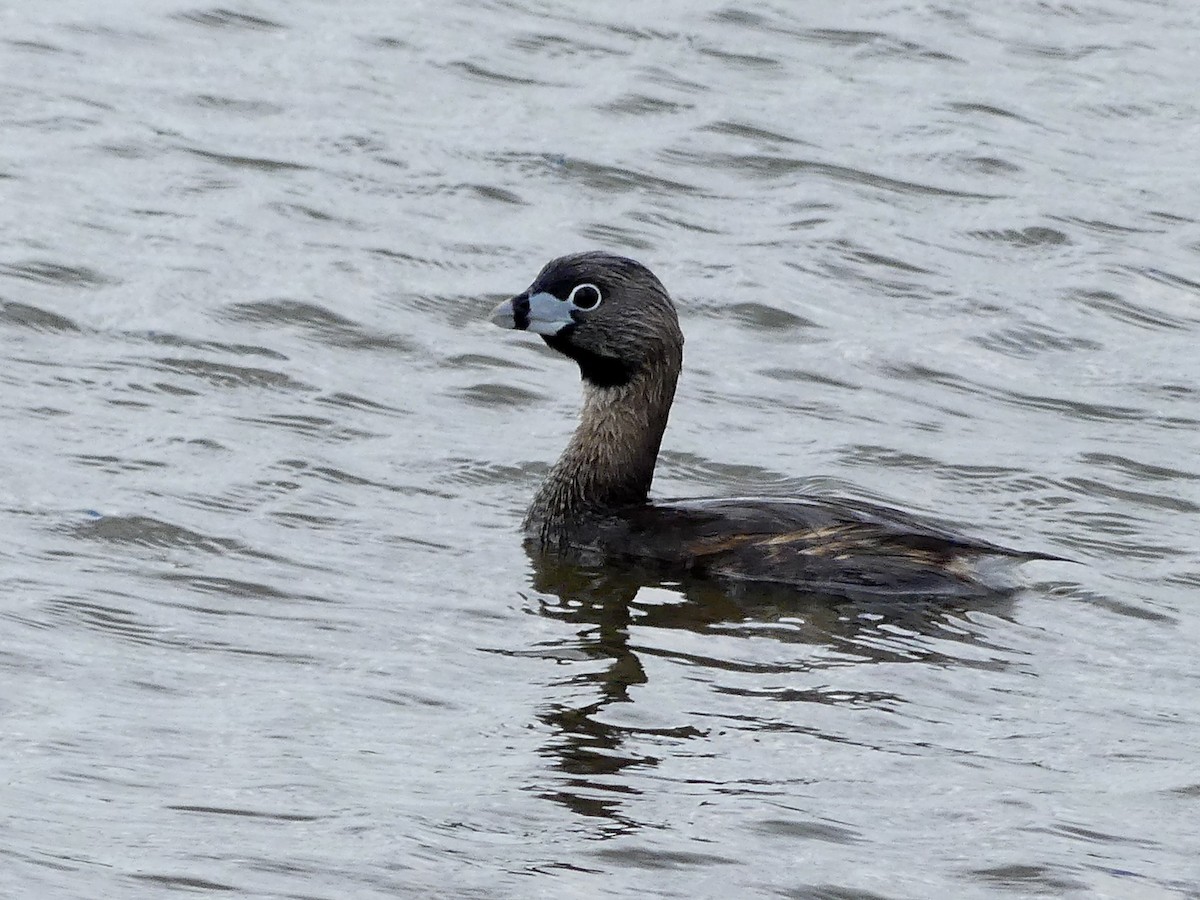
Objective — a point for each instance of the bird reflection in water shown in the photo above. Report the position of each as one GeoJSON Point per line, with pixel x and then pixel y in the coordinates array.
{"type": "Point", "coordinates": [609, 606]}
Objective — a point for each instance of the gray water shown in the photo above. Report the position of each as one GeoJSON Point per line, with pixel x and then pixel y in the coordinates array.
{"type": "Point", "coordinates": [267, 627]}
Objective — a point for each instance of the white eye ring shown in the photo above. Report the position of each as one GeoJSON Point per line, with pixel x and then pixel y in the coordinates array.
{"type": "Point", "coordinates": [584, 305]}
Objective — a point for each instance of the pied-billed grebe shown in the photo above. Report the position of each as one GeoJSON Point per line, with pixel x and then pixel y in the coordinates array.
{"type": "Point", "coordinates": [615, 319]}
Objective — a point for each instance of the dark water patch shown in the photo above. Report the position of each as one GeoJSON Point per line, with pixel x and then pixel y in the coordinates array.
{"type": "Point", "coordinates": [234, 161]}
{"type": "Point", "coordinates": [1032, 236]}
{"type": "Point", "coordinates": [311, 426]}
{"type": "Point", "coordinates": [137, 404]}
{"type": "Point", "coordinates": [499, 395]}
{"type": "Point", "coordinates": [369, 144]}
{"type": "Point", "coordinates": [241, 589]}
{"type": "Point", "coordinates": [151, 533]}
{"type": "Point", "coordinates": [305, 212]}
{"type": "Point", "coordinates": [244, 813]}
{"type": "Point", "coordinates": [1172, 218]}
{"type": "Point", "coordinates": [875, 43]}
{"type": "Point", "coordinates": [111, 33]}
{"type": "Point", "coordinates": [467, 471]}
{"type": "Point", "coordinates": [107, 618]}
{"type": "Point", "coordinates": [1120, 110]}
{"type": "Point", "coordinates": [22, 315]}
{"type": "Point", "coordinates": [46, 272]}
{"type": "Point", "coordinates": [481, 252]}
{"type": "Point", "coordinates": [648, 858]}
{"type": "Point", "coordinates": [1095, 488]}
{"type": "Point", "coordinates": [1189, 580]}
{"type": "Point", "coordinates": [824, 695]}
{"type": "Point", "coordinates": [878, 455]}
{"type": "Point", "coordinates": [612, 179]}
{"type": "Point", "coordinates": [60, 124]}
{"type": "Point", "coordinates": [743, 18]}
{"type": "Point", "coordinates": [304, 471]}
{"type": "Point", "coordinates": [317, 322]}
{"type": "Point", "coordinates": [558, 46]}
{"type": "Point", "coordinates": [833, 892]}
{"type": "Point", "coordinates": [616, 237]}
{"type": "Point", "coordinates": [672, 80]}
{"type": "Point", "coordinates": [486, 362]}
{"type": "Point", "coordinates": [340, 400]}
{"type": "Point", "coordinates": [388, 42]}
{"type": "Point", "coordinates": [408, 697]}
{"type": "Point", "coordinates": [494, 194]}
{"type": "Point", "coordinates": [226, 376]}
{"type": "Point", "coordinates": [1090, 545]}
{"type": "Point", "coordinates": [1099, 226]}
{"type": "Point", "coordinates": [240, 498]}
{"type": "Point", "coordinates": [990, 165]}
{"type": "Point", "coordinates": [1112, 521]}
{"type": "Point", "coordinates": [641, 32]}
{"type": "Point", "coordinates": [878, 259]}
{"type": "Point", "coordinates": [38, 47]}
{"type": "Point", "coordinates": [734, 477]}
{"type": "Point", "coordinates": [122, 622]}
{"type": "Point", "coordinates": [808, 376]}
{"type": "Point", "coordinates": [332, 475]}
{"type": "Point", "coordinates": [454, 309]}
{"type": "Point", "coordinates": [987, 110]}
{"type": "Point", "coordinates": [644, 105]}
{"type": "Point", "coordinates": [844, 37]}
{"type": "Point", "coordinates": [1117, 606]}
{"type": "Point", "coordinates": [1058, 52]}
{"type": "Point", "coordinates": [1172, 280]}
{"type": "Point", "coordinates": [755, 133]}
{"type": "Point", "coordinates": [1075, 409]}
{"type": "Point", "coordinates": [917, 52]}
{"type": "Point", "coordinates": [186, 883]}
{"type": "Point", "coordinates": [220, 17]}
{"type": "Point", "coordinates": [127, 150]}
{"type": "Point", "coordinates": [487, 75]}
{"type": "Point", "coordinates": [1166, 391]}
{"type": "Point", "coordinates": [174, 390]}
{"type": "Point", "coordinates": [252, 495]}
{"type": "Point", "coordinates": [237, 105]}
{"type": "Point", "coordinates": [200, 184]}
{"type": "Point", "coordinates": [1029, 340]}
{"type": "Point", "coordinates": [46, 412]}
{"type": "Point", "coordinates": [425, 546]}
{"type": "Point", "coordinates": [1026, 877]}
{"type": "Point", "coordinates": [774, 167]}
{"type": "Point", "coordinates": [154, 687]}
{"type": "Point", "coordinates": [1125, 310]}
{"type": "Point", "coordinates": [761, 316]}
{"type": "Point", "coordinates": [174, 340]}
{"type": "Point", "coordinates": [748, 61]}
{"type": "Point", "coordinates": [807, 223]}
{"type": "Point", "coordinates": [117, 465]}
{"type": "Point", "coordinates": [225, 648]}
{"type": "Point", "coordinates": [1093, 836]}
{"type": "Point", "coordinates": [809, 830]}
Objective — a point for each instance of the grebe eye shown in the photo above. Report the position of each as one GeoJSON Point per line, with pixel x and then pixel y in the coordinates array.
{"type": "Point", "coordinates": [584, 296]}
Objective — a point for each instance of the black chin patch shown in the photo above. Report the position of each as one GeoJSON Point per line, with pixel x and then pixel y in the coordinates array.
{"type": "Point", "coordinates": [602, 371]}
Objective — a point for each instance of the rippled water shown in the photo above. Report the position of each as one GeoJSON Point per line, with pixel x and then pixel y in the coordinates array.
{"type": "Point", "coordinates": [268, 630]}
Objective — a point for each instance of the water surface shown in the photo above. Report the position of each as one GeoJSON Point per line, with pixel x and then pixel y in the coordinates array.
{"type": "Point", "coordinates": [268, 630]}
